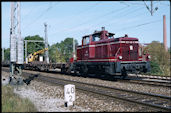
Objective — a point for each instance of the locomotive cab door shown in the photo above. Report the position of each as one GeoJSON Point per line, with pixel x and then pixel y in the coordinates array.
{"type": "Point", "coordinates": [91, 48]}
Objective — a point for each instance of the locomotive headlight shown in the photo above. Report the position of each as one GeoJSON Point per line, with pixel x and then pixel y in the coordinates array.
{"type": "Point", "coordinates": [120, 57]}
{"type": "Point", "coordinates": [148, 56]}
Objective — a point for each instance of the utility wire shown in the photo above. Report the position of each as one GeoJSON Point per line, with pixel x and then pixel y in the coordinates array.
{"type": "Point", "coordinates": [32, 9]}
{"type": "Point", "coordinates": [86, 10]}
{"type": "Point", "coordinates": [114, 12]}
{"type": "Point", "coordinates": [101, 16]}
{"type": "Point", "coordinates": [127, 13]}
{"type": "Point", "coordinates": [124, 3]}
{"type": "Point", "coordinates": [139, 25]}
{"type": "Point", "coordinates": [45, 11]}
{"type": "Point", "coordinates": [52, 6]}
{"type": "Point", "coordinates": [136, 4]}
{"type": "Point", "coordinates": [163, 4]}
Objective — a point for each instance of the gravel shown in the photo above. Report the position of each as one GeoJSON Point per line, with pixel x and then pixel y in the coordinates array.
{"type": "Point", "coordinates": [48, 97]}
{"type": "Point", "coordinates": [135, 87]}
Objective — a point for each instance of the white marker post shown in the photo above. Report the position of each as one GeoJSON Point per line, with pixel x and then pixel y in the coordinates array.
{"type": "Point", "coordinates": [69, 94]}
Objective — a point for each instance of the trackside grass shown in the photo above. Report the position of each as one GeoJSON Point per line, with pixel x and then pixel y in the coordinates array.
{"type": "Point", "coordinates": [11, 102]}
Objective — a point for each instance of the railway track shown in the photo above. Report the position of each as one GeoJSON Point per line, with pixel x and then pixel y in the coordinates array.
{"type": "Point", "coordinates": [160, 102]}
{"type": "Point", "coordinates": [139, 80]}
{"type": "Point", "coordinates": [144, 81]}
{"type": "Point", "coordinates": [154, 83]}
{"type": "Point", "coordinates": [152, 77]}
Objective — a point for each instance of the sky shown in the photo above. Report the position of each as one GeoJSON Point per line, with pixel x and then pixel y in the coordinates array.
{"type": "Point", "coordinates": [78, 18]}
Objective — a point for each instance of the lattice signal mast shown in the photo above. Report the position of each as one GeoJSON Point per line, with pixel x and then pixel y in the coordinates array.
{"type": "Point", "coordinates": [16, 43]}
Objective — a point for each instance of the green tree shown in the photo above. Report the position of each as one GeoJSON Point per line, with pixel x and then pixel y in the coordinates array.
{"type": "Point", "coordinates": [61, 52]}
{"type": "Point", "coordinates": [55, 54]}
{"type": "Point", "coordinates": [34, 46]}
{"type": "Point", "coordinates": [7, 54]}
{"type": "Point", "coordinates": [160, 59]}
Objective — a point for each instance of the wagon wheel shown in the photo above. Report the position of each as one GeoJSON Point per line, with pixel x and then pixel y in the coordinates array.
{"type": "Point", "coordinates": [63, 70]}
{"type": "Point", "coordinates": [68, 71]}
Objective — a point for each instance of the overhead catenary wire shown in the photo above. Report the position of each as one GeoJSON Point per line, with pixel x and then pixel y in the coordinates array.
{"type": "Point", "coordinates": [86, 10]}
{"type": "Point", "coordinates": [123, 15]}
{"type": "Point", "coordinates": [139, 25]}
{"type": "Point", "coordinates": [101, 16]}
{"type": "Point", "coordinates": [164, 4]}
{"type": "Point", "coordinates": [45, 11]}
{"type": "Point", "coordinates": [135, 25]}
{"type": "Point", "coordinates": [127, 13]}
{"type": "Point", "coordinates": [131, 12]}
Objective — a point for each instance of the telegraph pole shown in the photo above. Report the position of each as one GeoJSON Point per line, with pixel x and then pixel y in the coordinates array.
{"type": "Point", "coordinates": [46, 44]}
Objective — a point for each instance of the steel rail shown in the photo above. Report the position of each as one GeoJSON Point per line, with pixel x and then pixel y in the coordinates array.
{"type": "Point", "coordinates": [147, 82]}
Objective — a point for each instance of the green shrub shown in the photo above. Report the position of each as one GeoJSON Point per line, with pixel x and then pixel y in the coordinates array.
{"type": "Point", "coordinates": [160, 59]}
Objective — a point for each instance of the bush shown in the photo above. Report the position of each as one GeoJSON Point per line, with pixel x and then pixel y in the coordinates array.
{"type": "Point", "coordinates": [155, 69]}
{"type": "Point", "coordinates": [160, 59]}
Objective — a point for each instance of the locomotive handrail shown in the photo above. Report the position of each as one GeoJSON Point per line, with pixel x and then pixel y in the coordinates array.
{"type": "Point", "coordinates": [117, 52]}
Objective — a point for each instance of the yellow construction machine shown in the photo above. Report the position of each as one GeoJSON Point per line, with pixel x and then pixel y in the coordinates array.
{"type": "Point", "coordinates": [33, 57]}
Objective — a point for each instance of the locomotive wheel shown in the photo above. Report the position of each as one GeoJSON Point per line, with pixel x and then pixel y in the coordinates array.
{"type": "Point", "coordinates": [84, 71]}
{"type": "Point", "coordinates": [75, 73]}
{"type": "Point", "coordinates": [144, 69]}
{"type": "Point", "coordinates": [124, 73]}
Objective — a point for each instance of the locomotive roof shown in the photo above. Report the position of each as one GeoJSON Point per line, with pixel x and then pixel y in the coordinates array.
{"type": "Point", "coordinates": [103, 31]}
{"type": "Point", "coordinates": [128, 38]}
{"type": "Point", "coordinates": [98, 33]}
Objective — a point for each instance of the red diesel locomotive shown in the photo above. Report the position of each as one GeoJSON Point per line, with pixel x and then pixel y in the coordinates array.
{"type": "Point", "coordinates": [101, 53]}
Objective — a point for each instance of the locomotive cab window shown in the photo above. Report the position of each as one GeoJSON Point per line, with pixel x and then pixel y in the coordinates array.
{"type": "Point", "coordinates": [86, 40]}
{"type": "Point", "coordinates": [110, 36]}
{"type": "Point", "coordinates": [96, 38]}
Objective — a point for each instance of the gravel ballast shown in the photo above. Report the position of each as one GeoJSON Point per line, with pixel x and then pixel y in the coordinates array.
{"type": "Point", "coordinates": [128, 86]}
{"type": "Point", "coordinates": [48, 97]}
